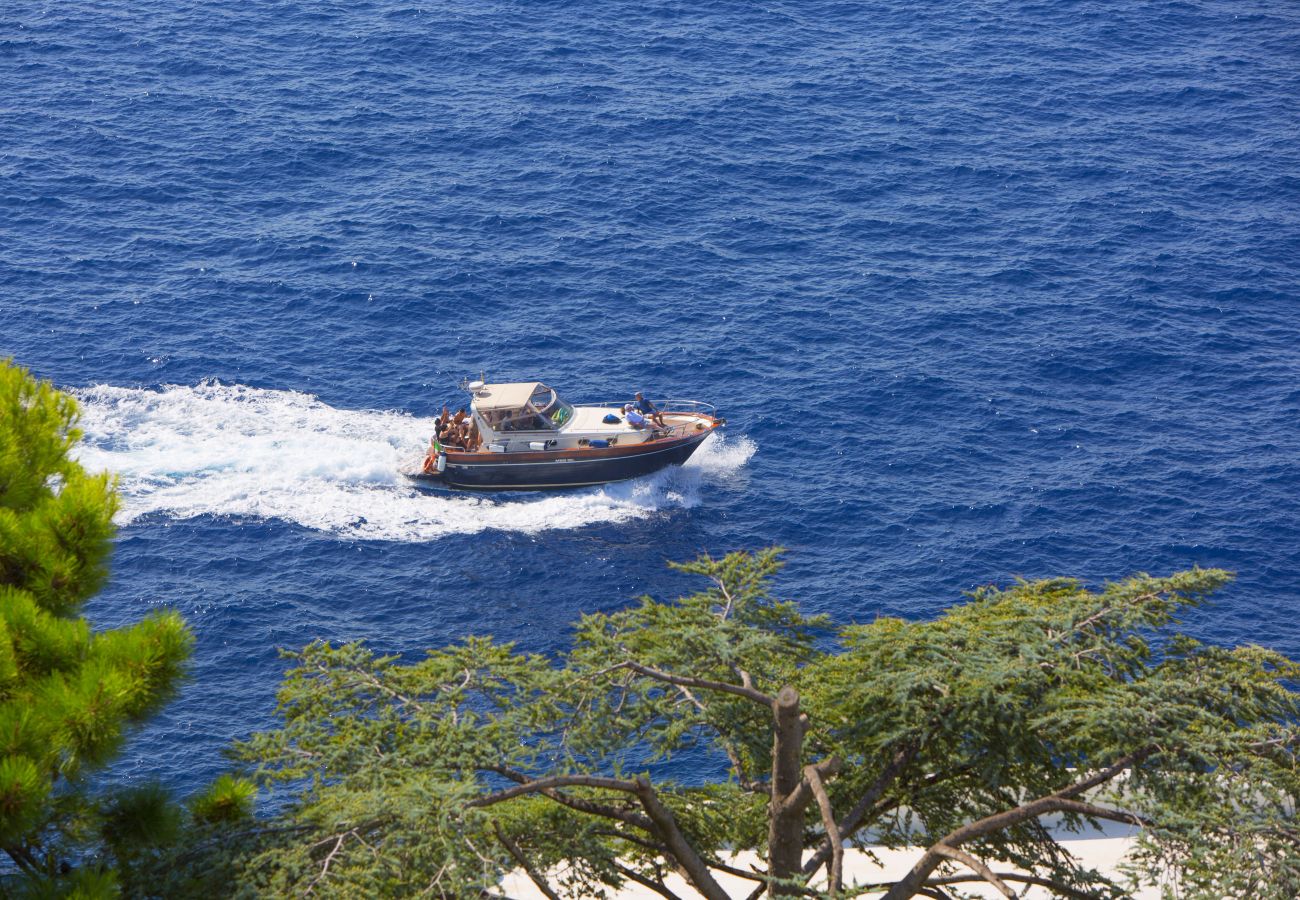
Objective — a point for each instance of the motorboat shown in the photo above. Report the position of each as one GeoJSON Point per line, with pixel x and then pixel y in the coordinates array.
{"type": "Point", "coordinates": [523, 436]}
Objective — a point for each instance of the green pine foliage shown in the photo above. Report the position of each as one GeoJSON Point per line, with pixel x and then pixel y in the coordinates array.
{"type": "Point", "coordinates": [68, 694]}
{"type": "Point", "coordinates": [436, 776]}
{"type": "Point", "coordinates": [227, 800]}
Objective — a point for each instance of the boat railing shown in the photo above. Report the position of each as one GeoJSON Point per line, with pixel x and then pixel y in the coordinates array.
{"type": "Point", "coordinates": [667, 408]}
{"type": "Point", "coordinates": [663, 406]}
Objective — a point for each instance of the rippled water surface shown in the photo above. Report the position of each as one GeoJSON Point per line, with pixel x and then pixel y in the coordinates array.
{"type": "Point", "coordinates": [983, 289]}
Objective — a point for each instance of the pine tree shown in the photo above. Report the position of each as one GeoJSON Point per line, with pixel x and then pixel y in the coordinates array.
{"type": "Point", "coordinates": [68, 694]}
{"type": "Point", "coordinates": [434, 777]}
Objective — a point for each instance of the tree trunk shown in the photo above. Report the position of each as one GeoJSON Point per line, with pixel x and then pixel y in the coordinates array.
{"type": "Point", "coordinates": [785, 819]}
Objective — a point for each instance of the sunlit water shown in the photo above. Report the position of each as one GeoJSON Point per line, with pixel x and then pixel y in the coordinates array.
{"type": "Point", "coordinates": [982, 290]}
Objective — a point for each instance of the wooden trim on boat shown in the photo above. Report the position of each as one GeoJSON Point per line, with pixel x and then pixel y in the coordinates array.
{"type": "Point", "coordinates": [487, 457]}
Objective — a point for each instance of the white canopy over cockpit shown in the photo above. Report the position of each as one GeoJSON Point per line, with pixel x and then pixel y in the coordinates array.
{"type": "Point", "coordinates": [520, 406]}
{"type": "Point", "coordinates": [505, 396]}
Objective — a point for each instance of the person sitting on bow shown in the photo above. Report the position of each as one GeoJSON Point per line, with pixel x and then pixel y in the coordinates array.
{"type": "Point", "coordinates": [633, 416]}
{"type": "Point", "coordinates": [648, 409]}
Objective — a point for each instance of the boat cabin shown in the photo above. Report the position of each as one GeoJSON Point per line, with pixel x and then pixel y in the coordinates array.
{"type": "Point", "coordinates": [523, 415]}
{"type": "Point", "coordinates": [519, 407]}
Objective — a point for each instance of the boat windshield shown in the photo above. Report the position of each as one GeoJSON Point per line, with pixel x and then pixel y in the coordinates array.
{"type": "Point", "coordinates": [550, 407]}
{"type": "Point", "coordinates": [521, 420]}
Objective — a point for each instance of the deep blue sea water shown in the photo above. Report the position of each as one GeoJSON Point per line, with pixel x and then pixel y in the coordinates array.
{"type": "Point", "coordinates": [984, 290]}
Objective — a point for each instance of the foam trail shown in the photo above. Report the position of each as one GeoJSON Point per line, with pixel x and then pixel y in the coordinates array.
{"type": "Point", "coordinates": [241, 452]}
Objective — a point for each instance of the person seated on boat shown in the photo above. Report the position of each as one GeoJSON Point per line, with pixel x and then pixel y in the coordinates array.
{"type": "Point", "coordinates": [649, 410]}
{"type": "Point", "coordinates": [633, 416]}
{"type": "Point", "coordinates": [448, 435]}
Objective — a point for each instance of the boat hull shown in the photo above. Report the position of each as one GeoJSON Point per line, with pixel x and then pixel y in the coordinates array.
{"type": "Point", "coordinates": [560, 468]}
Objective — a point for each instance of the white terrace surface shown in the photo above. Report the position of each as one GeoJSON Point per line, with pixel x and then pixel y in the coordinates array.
{"type": "Point", "coordinates": [1103, 852]}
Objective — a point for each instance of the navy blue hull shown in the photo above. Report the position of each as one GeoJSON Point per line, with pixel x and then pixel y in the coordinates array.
{"type": "Point", "coordinates": [500, 472]}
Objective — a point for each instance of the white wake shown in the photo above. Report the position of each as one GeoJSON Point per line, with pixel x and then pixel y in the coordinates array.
{"type": "Point", "coordinates": [246, 453]}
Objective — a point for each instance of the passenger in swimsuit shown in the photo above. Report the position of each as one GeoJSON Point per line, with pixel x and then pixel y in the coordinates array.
{"type": "Point", "coordinates": [449, 435]}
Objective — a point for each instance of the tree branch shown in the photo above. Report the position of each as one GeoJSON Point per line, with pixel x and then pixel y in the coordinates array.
{"type": "Point", "coordinates": [748, 693]}
{"type": "Point", "coordinates": [726, 594]}
{"type": "Point", "coordinates": [693, 867]}
{"type": "Point", "coordinates": [908, 886]}
{"type": "Point", "coordinates": [658, 849]}
{"type": "Point", "coordinates": [977, 867]}
{"type": "Point", "coordinates": [580, 804]}
{"type": "Point", "coordinates": [368, 678]}
{"type": "Point", "coordinates": [513, 849]}
{"type": "Point", "coordinates": [1055, 886]}
{"type": "Point", "coordinates": [661, 850]}
{"type": "Point", "coordinates": [745, 678]}
{"type": "Point", "coordinates": [933, 893]}
{"type": "Point", "coordinates": [329, 859]}
{"type": "Point", "coordinates": [22, 857]}
{"type": "Point", "coordinates": [1050, 803]}
{"type": "Point", "coordinates": [732, 870]}
{"type": "Point", "coordinates": [542, 785]}
{"type": "Point", "coordinates": [1101, 812]}
{"type": "Point", "coordinates": [803, 793]}
{"type": "Point", "coordinates": [657, 886]}
{"type": "Point", "coordinates": [854, 817]}
{"type": "Point", "coordinates": [741, 775]}
{"type": "Point", "coordinates": [835, 877]}
{"type": "Point", "coordinates": [546, 787]}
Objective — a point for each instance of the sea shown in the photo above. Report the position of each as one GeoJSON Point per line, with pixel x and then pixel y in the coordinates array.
{"type": "Point", "coordinates": [985, 291]}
